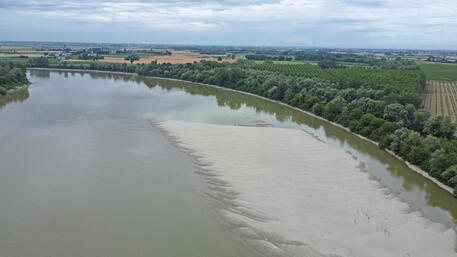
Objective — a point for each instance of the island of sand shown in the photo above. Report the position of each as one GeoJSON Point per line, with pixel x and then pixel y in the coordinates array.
{"type": "Point", "coordinates": [288, 194]}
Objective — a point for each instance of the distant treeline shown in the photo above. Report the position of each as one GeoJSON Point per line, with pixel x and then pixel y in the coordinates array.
{"type": "Point", "coordinates": [93, 51]}
{"type": "Point", "coordinates": [380, 104]}
{"type": "Point", "coordinates": [212, 51]}
{"type": "Point", "coordinates": [289, 55]}
{"type": "Point", "coordinates": [262, 57]}
{"type": "Point", "coordinates": [86, 56]}
{"type": "Point", "coordinates": [12, 75]}
{"type": "Point", "coordinates": [440, 59]}
{"type": "Point", "coordinates": [149, 51]}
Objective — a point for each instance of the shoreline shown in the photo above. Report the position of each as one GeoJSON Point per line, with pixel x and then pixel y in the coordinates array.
{"type": "Point", "coordinates": [22, 87]}
{"type": "Point", "coordinates": [412, 167]}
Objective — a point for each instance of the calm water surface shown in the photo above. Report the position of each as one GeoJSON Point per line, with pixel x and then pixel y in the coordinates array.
{"type": "Point", "coordinates": [83, 173]}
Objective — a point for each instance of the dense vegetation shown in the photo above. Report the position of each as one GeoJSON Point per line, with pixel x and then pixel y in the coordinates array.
{"type": "Point", "coordinates": [380, 104]}
{"type": "Point", "coordinates": [441, 59]}
{"type": "Point", "coordinates": [132, 58]}
{"type": "Point", "coordinates": [11, 76]}
{"type": "Point", "coordinates": [408, 81]}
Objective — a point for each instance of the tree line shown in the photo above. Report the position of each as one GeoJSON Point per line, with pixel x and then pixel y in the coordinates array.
{"type": "Point", "coordinates": [262, 57]}
{"type": "Point", "coordinates": [12, 75]}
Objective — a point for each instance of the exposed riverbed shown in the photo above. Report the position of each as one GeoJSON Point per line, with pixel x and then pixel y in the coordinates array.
{"type": "Point", "coordinates": [291, 194]}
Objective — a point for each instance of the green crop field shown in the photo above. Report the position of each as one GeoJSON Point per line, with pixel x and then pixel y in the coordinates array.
{"type": "Point", "coordinates": [15, 59]}
{"type": "Point", "coordinates": [440, 72]}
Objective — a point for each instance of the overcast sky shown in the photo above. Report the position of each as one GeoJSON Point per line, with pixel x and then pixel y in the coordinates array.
{"type": "Point", "coordinates": [428, 24]}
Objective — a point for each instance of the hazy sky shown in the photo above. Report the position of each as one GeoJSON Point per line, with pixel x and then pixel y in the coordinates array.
{"type": "Point", "coordinates": [314, 23]}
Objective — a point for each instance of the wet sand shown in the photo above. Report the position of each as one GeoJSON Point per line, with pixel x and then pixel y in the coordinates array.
{"type": "Point", "coordinates": [287, 193]}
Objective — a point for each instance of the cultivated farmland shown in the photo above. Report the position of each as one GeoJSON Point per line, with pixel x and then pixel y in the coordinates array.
{"type": "Point", "coordinates": [440, 98]}
{"type": "Point", "coordinates": [176, 57]}
{"type": "Point", "coordinates": [440, 72]}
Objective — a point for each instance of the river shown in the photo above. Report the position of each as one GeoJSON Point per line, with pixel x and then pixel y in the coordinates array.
{"type": "Point", "coordinates": [83, 173]}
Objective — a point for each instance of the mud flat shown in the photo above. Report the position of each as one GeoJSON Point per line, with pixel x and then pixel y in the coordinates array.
{"type": "Point", "coordinates": [289, 194]}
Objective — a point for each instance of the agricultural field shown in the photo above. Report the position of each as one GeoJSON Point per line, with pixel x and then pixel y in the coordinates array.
{"type": "Point", "coordinates": [440, 94]}
{"type": "Point", "coordinates": [440, 72]}
{"type": "Point", "coordinates": [112, 55]}
{"type": "Point", "coordinates": [440, 98]}
{"type": "Point", "coordinates": [174, 58]}
{"type": "Point", "coordinates": [17, 54]}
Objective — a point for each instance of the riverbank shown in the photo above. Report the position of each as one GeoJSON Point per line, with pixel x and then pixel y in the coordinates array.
{"type": "Point", "coordinates": [289, 194]}
{"type": "Point", "coordinates": [409, 165]}
{"type": "Point", "coordinates": [18, 88]}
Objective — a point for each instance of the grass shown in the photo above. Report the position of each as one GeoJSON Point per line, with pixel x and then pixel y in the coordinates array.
{"type": "Point", "coordinates": [440, 72]}
{"type": "Point", "coordinates": [15, 59]}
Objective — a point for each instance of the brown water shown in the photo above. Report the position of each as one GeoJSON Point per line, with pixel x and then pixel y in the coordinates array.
{"type": "Point", "coordinates": [82, 173]}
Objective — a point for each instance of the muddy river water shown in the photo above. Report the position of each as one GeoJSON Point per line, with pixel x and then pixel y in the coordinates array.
{"type": "Point", "coordinates": [84, 173]}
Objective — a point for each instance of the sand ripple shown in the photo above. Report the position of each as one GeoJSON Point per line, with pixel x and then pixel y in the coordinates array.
{"type": "Point", "coordinates": [289, 194]}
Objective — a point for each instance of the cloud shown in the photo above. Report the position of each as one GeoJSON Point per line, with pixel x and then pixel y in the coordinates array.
{"type": "Point", "coordinates": [351, 23]}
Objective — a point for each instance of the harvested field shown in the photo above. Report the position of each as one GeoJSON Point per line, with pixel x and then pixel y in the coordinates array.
{"type": "Point", "coordinates": [19, 54]}
{"type": "Point", "coordinates": [176, 57]}
{"type": "Point", "coordinates": [440, 98]}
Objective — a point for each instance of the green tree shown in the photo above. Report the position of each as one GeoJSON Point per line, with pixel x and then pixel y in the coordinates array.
{"type": "Point", "coordinates": [419, 118]}
{"type": "Point", "coordinates": [440, 127]}
{"type": "Point", "coordinates": [132, 58]}
{"type": "Point", "coordinates": [327, 64]}
{"type": "Point", "coordinates": [355, 114]}
{"type": "Point", "coordinates": [395, 112]}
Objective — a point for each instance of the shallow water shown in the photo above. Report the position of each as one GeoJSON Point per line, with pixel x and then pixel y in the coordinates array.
{"type": "Point", "coordinates": [82, 173]}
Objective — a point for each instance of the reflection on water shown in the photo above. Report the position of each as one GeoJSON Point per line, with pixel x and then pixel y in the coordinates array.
{"type": "Point", "coordinates": [82, 173]}
{"type": "Point", "coordinates": [15, 96]}
{"type": "Point", "coordinates": [42, 73]}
